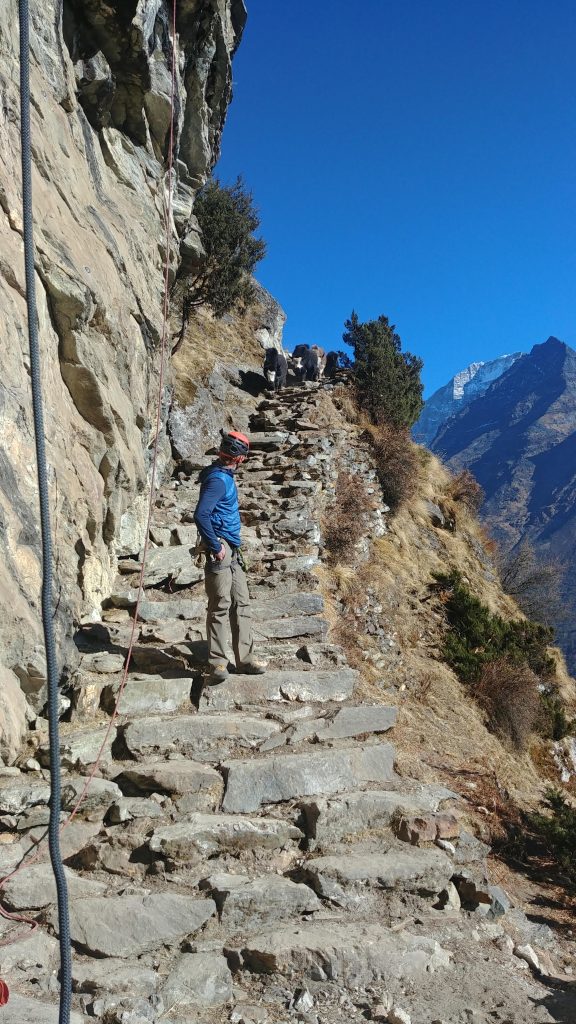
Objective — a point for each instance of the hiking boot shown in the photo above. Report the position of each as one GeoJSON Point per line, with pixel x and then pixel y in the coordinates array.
{"type": "Point", "coordinates": [217, 674]}
{"type": "Point", "coordinates": [254, 667]}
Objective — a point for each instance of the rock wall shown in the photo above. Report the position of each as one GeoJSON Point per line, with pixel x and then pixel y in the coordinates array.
{"type": "Point", "coordinates": [100, 81]}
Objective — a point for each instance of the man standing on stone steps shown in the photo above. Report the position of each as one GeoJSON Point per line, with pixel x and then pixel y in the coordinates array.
{"type": "Point", "coordinates": [217, 516]}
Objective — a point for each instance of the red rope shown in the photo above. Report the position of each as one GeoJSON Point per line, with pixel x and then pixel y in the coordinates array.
{"type": "Point", "coordinates": [165, 310]}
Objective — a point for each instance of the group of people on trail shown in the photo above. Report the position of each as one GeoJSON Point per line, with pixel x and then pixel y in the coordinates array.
{"type": "Point", "coordinates": [306, 363]}
{"type": "Point", "coordinates": [217, 518]}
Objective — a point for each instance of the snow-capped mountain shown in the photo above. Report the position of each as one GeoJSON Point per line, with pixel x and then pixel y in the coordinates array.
{"type": "Point", "coordinates": [464, 387]}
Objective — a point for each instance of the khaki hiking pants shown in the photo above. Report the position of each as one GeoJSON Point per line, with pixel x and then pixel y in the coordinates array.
{"type": "Point", "coordinates": [228, 600]}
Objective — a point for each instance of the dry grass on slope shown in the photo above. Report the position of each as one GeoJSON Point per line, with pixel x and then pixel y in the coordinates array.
{"type": "Point", "coordinates": [442, 733]}
{"type": "Point", "coordinates": [207, 341]}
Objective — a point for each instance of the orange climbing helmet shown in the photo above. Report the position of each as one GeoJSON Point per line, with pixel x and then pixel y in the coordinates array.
{"type": "Point", "coordinates": [234, 446]}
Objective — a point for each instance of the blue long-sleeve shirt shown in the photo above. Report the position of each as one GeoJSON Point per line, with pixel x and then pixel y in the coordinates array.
{"type": "Point", "coordinates": [217, 514]}
{"type": "Point", "coordinates": [211, 493]}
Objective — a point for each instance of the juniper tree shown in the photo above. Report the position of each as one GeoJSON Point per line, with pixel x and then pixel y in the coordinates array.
{"type": "Point", "coordinates": [228, 219]}
{"type": "Point", "coordinates": [387, 379]}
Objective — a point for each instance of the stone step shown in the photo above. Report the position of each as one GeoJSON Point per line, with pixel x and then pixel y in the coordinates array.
{"type": "Point", "coordinates": [129, 925]}
{"type": "Point", "coordinates": [35, 888]}
{"type": "Point", "coordinates": [22, 1010]}
{"type": "Point", "coordinates": [251, 784]}
{"type": "Point", "coordinates": [270, 440]}
{"type": "Point", "coordinates": [79, 749]}
{"type": "Point", "coordinates": [296, 603]}
{"type": "Point", "coordinates": [355, 953]}
{"type": "Point", "coordinates": [314, 686]}
{"type": "Point", "coordinates": [207, 835]}
{"type": "Point", "coordinates": [199, 736]}
{"type": "Point", "coordinates": [245, 903]}
{"type": "Point", "coordinates": [198, 980]}
{"type": "Point", "coordinates": [201, 786]}
{"type": "Point", "coordinates": [175, 563]}
{"type": "Point", "coordinates": [334, 819]}
{"type": "Point", "coordinates": [147, 694]}
{"type": "Point", "coordinates": [279, 629]}
{"type": "Point", "coordinates": [345, 723]}
{"type": "Point", "coordinates": [346, 879]}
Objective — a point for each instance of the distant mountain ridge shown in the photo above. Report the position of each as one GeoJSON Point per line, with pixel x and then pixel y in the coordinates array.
{"type": "Point", "coordinates": [518, 437]}
{"type": "Point", "coordinates": [464, 387]}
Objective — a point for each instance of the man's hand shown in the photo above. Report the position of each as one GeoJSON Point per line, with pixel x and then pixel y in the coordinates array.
{"type": "Point", "coordinates": [220, 555]}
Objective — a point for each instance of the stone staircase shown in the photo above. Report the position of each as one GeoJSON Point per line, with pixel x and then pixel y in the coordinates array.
{"type": "Point", "coordinates": [244, 855]}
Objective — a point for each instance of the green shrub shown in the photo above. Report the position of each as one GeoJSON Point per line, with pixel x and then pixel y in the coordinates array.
{"type": "Point", "coordinates": [478, 637]}
{"type": "Point", "coordinates": [554, 724]}
{"type": "Point", "coordinates": [228, 219]}
{"type": "Point", "coordinates": [557, 831]}
{"type": "Point", "coordinates": [387, 380]}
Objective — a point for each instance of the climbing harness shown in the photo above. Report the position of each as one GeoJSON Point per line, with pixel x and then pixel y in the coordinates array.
{"type": "Point", "coordinates": [47, 604]}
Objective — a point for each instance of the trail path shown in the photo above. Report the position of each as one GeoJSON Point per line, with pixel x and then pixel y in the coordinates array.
{"type": "Point", "coordinates": [240, 859]}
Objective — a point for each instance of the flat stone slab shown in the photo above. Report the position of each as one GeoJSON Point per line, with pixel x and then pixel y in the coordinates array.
{"type": "Point", "coordinates": [282, 629]}
{"type": "Point", "coordinates": [35, 887]}
{"type": "Point", "coordinates": [204, 835]}
{"type": "Point", "coordinates": [80, 749]}
{"type": "Point", "coordinates": [101, 977]}
{"type": "Point", "coordinates": [359, 721]}
{"type": "Point", "coordinates": [176, 778]}
{"type": "Point", "coordinates": [287, 604]}
{"type": "Point", "coordinates": [243, 902]}
{"type": "Point", "coordinates": [304, 687]}
{"type": "Point", "coordinates": [354, 953]}
{"type": "Point", "coordinates": [175, 563]}
{"type": "Point", "coordinates": [130, 925]}
{"type": "Point", "coordinates": [332, 819]}
{"type": "Point", "coordinates": [129, 808]}
{"type": "Point", "coordinates": [145, 694]}
{"type": "Point", "coordinates": [198, 979]}
{"type": "Point", "coordinates": [20, 1010]}
{"type": "Point", "coordinates": [205, 737]}
{"type": "Point", "coordinates": [249, 784]}
{"type": "Point", "coordinates": [19, 792]}
{"type": "Point", "coordinates": [176, 608]}
{"type": "Point", "coordinates": [102, 663]}
{"type": "Point", "coordinates": [409, 869]}
{"type": "Point", "coordinates": [100, 795]}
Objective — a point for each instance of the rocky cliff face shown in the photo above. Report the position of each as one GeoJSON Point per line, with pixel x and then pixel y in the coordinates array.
{"type": "Point", "coordinates": [100, 80]}
{"type": "Point", "coordinates": [519, 440]}
{"type": "Point", "coordinates": [464, 387]}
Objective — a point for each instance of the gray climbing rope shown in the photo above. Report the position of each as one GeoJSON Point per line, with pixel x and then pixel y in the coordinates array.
{"type": "Point", "coordinates": [47, 601]}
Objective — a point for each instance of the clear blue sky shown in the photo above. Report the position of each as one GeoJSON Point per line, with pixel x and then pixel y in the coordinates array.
{"type": "Point", "coordinates": [417, 159]}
